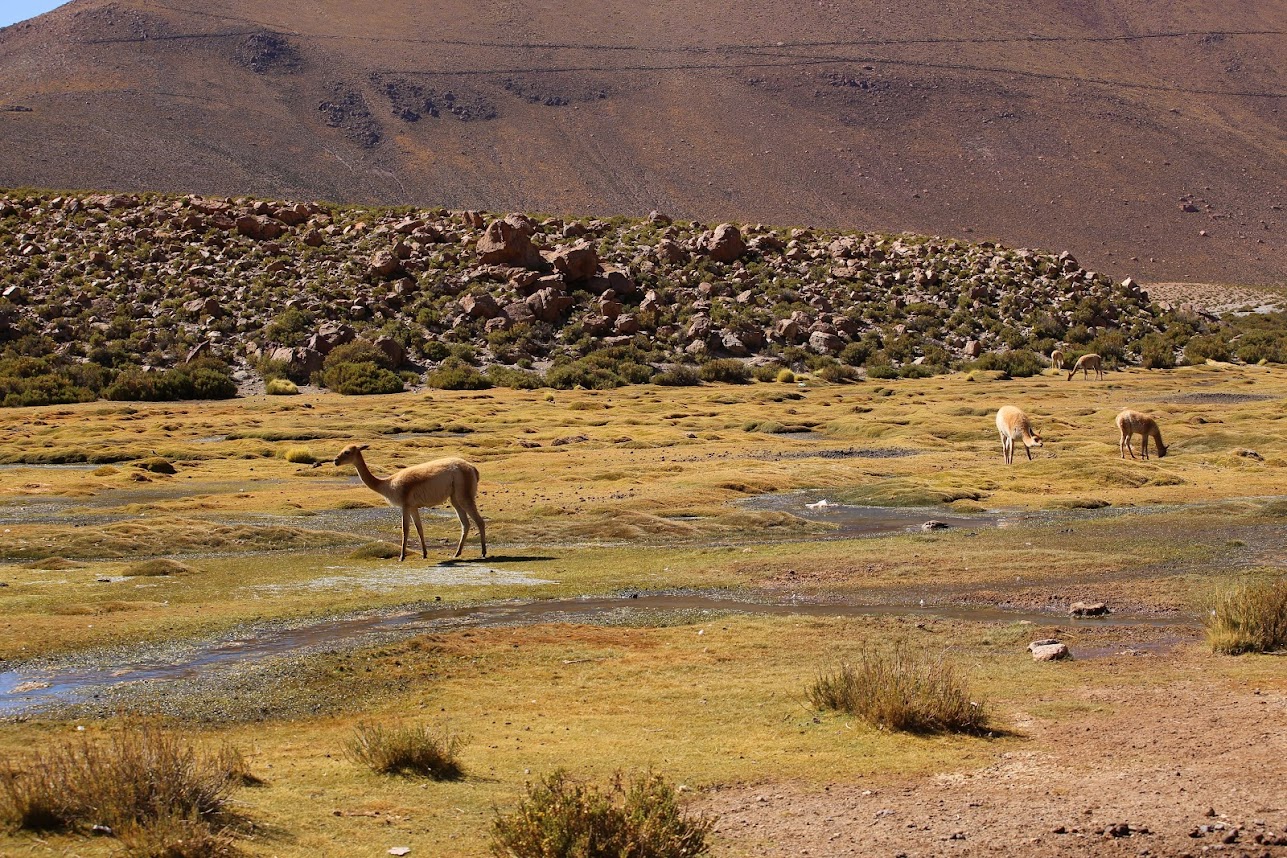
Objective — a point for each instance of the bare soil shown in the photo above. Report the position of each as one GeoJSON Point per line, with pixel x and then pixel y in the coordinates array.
{"type": "Point", "coordinates": [1190, 768]}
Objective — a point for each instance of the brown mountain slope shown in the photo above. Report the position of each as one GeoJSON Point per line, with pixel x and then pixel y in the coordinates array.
{"type": "Point", "coordinates": [1080, 124]}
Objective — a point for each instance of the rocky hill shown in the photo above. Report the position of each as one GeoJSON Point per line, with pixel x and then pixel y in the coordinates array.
{"type": "Point", "coordinates": [121, 281]}
{"type": "Point", "coordinates": [1147, 138]}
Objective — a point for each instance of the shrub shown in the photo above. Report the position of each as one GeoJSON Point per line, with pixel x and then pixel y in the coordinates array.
{"type": "Point", "coordinates": [785, 376]}
{"type": "Point", "coordinates": [361, 379]}
{"type": "Point", "coordinates": [412, 751]}
{"type": "Point", "coordinates": [1203, 348]}
{"type": "Point", "coordinates": [679, 376]}
{"type": "Point", "coordinates": [516, 379]}
{"type": "Point", "coordinates": [856, 353]}
{"type": "Point", "coordinates": [140, 778]}
{"type": "Point", "coordinates": [901, 690]}
{"type": "Point", "coordinates": [727, 370]}
{"type": "Point", "coordinates": [1110, 345]}
{"type": "Point", "coordinates": [560, 818]}
{"type": "Point", "coordinates": [455, 374]}
{"type": "Point", "coordinates": [203, 378]}
{"type": "Point", "coordinates": [1250, 617]}
{"type": "Point", "coordinates": [1157, 352]}
{"type": "Point", "coordinates": [358, 351]}
{"type": "Point", "coordinates": [290, 328]}
{"type": "Point", "coordinates": [281, 387]}
{"type": "Point", "coordinates": [1018, 363]}
{"type": "Point", "coordinates": [837, 373]}
{"type": "Point", "coordinates": [299, 456]}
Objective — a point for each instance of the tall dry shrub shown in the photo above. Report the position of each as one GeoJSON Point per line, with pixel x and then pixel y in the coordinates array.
{"type": "Point", "coordinates": [1248, 617]}
{"type": "Point", "coordinates": [901, 689]}
{"type": "Point", "coordinates": [141, 777]}
{"type": "Point", "coordinates": [636, 817]}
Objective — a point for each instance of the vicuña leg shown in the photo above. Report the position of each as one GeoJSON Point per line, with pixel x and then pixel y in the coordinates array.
{"type": "Point", "coordinates": [415, 516]}
{"type": "Point", "coordinates": [464, 525]}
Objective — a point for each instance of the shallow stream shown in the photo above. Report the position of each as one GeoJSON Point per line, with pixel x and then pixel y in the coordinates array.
{"type": "Point", "coordinates": [31, 689]}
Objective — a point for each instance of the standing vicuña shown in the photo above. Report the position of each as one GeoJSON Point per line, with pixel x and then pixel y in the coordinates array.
{"type": "Point", "coordinates": [1057, 359]}
{"type": "Point", "coordinates": [425, 485]}
{"type": "Point", "coordinates": [1086, 363]}
{"type": "Point", "coordinates": [1014, 425]}
{"type": "Point", "coordinates": [1132, 422]}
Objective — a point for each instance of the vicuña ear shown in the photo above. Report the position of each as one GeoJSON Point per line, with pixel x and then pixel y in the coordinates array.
{"type": "Point", "coordinates": [363, 446]}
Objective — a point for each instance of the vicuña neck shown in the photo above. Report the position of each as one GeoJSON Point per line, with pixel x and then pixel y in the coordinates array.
{"type": "Point", "coordinates": [374, 483]}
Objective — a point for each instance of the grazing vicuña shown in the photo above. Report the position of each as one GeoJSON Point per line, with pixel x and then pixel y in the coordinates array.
{"type": "Point", "coordinates": [1014, 425]}
{"type": "Point", "coordinates": [1086, 363]}
{"type": "Point", "coordinates": [1133, 422]}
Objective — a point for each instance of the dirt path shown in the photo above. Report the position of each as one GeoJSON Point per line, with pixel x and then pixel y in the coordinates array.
{"type": "Point", "coordinates": [1143, 777]}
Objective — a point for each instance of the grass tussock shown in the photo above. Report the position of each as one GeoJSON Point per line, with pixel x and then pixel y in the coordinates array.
{"type": "Point", "coordinates": [156, 465]}
{"type": "Point", "coordinates": [53, 564]}
{"type": "Point", "coordinates": [158, 567]}
{"type": "Point", "coordinates": [143, 783]}
{"type": "Point", "coordinates": [901, 689]}
{"type": "Point", "coordinates": [375, 551]}
{"type": "Point", "coordinates": [1249, 617]}
{"type": "Point", "coordinates": [299, 456]}
{"type": "Point", "coordinates": [414, 751]}
{"type": "Point", "coordinates": [281, 387]}
{"type": "Point", "coordinates": [639, 817]}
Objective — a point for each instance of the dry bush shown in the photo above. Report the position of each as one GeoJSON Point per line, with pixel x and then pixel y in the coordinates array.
{"type": "Point", "coordinates": [178, 837]}
{"type": "Point", "coordinates": [140, 780]}
{"type": "Point", "coordinates": [414, 751]}
{"type": "Point", "coordinates": [901, 690]}
{"type": "Point", "coordinates": [1248, 617]}
{"type": "Point", "coordinates": [562, 818]}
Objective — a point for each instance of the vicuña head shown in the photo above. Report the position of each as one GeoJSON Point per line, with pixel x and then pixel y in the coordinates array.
{"type": "Point", "coordinates": [350, 454]}
{"type": "Point", "coordinates": [418, 486]}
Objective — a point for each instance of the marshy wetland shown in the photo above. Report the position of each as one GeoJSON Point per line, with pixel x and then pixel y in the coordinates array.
{"type": "Point", "coordinates": [662, 587]}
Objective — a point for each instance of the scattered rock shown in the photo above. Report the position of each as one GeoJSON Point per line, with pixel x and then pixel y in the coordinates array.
{"type": "Point", "coordinates": [934, 524]}
{"type": "Point", "coordinates": [1048, 650]}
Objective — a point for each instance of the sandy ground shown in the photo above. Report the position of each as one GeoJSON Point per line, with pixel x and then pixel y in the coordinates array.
{"type": "Point", "coordinates": [1188, 769]}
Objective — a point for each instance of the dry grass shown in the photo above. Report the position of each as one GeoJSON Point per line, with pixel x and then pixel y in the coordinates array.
{"type": "Point", "coordinates": [158, 566]}
{"type": "Point", "coordinates": [299, 456]}
{"type": "Point", "coordinates": [417, 751]}
{"type": "Point", "coordinates": [1248, 617]}
{"type": "Point", "coordinates": [638, 817]}
{"type": "Point", "coordinates": [901, 689]}
{"type": "Point", "coordinates": [141, 780]}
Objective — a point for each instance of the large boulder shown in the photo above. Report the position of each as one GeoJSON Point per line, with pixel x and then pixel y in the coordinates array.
{"type": "Point", "coordinates": [385, 263]}
{"type": "Point", "coordinates": [725, 244]}
{"type": "Point", "coordinates": [481, 306]}
{"type": "Point", "coordinates": [577, 263]}
{"type": "Point", "coordinates": [504, 243]}
{"type": "Point", "coordinates": [392, 349]}
{"type": "Point", "coordinates": [548, 305]}
{"type": "Point", "coordinates": [825, 343]}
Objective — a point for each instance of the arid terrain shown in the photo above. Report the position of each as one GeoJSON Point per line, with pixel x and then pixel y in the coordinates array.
{"type": "Point", "coordinates": [659, 595]}
{"type": "Point", "coordinates": [1145, 139]}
